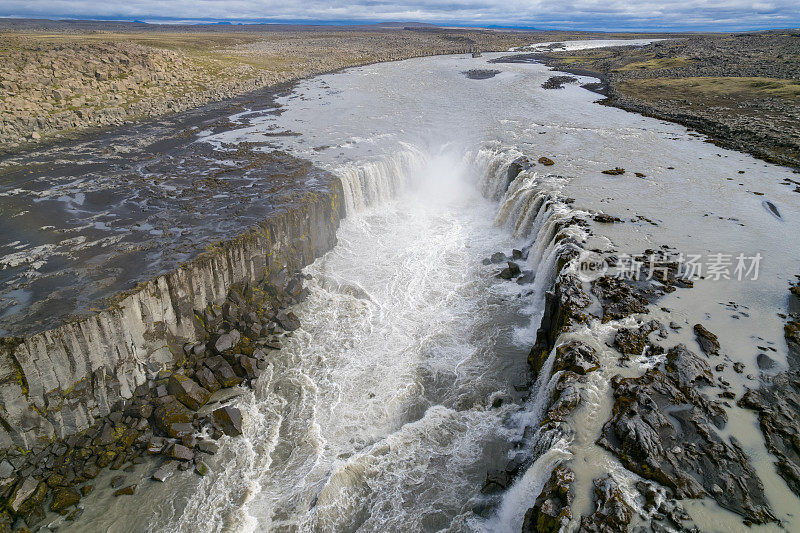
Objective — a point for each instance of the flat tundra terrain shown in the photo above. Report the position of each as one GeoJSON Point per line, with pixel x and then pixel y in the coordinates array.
{"type": "Point", "coordinates": [58, 78]}
{"type": "Point", "coordinates": [743, 90]}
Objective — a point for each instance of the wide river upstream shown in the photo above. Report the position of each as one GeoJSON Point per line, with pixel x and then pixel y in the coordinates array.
{"type": "Point", "coordinates": [408, 379]}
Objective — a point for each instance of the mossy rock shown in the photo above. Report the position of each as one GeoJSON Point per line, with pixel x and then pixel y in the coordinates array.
{"type": "Point", "coordinates": [6, 522]}
{"type": "Point", "coordinates": [63, 498]}
{"type": "Point", "coordinates": [170, 413]}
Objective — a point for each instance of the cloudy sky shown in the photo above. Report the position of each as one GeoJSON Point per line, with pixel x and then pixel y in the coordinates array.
{"type": "Point", "coordinates": [579, 14]}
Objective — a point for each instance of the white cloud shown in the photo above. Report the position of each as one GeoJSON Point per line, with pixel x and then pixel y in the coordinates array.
{"type": "Point", "coordinates": [582, 14]}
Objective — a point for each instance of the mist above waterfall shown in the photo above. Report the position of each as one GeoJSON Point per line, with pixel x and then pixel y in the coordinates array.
{"type": "Point", "coordinates": [409, 380]}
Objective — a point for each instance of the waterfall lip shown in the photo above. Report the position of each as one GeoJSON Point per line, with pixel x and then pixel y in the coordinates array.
{"type": "Point", "coordinates": [566, 234]}
{"type": "Point", "coordinates": [563, 231]}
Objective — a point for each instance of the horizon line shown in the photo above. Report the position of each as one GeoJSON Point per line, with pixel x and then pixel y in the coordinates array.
{"type": "Point", "coordinates": [577, 27]}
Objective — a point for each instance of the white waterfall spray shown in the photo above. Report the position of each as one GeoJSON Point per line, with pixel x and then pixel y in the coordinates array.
{"type": "Point", "coordinates": [392, 374]}
{"type": "Point", "coordinates": [530, 208]}
{"type": "Point", "coordinates": [369, 183]}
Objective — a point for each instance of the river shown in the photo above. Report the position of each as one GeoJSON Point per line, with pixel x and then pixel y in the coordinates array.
{"type": "Point", "coordinates": [408, 378]}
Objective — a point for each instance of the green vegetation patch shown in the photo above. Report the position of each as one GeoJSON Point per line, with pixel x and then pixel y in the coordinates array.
{"type": "Point", "coordinates": [657, 64]}
{"type": "Point", "coordinates": [720, 87]}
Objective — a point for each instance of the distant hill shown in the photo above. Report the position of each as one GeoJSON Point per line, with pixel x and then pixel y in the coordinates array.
{"type": "Point", "coordinates": [22, 24]}
{"type": "Point", "coordinates": [401, 25]}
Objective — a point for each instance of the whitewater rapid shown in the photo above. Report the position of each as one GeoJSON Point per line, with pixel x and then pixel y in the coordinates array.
{"type": "Point", "coordinates": [406, 382]}
{"type": "Point", "coordinates": [385, 396]}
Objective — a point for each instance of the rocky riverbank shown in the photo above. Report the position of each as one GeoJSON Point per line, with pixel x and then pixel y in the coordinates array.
{"type": "Point", "coordinates": [157, 427]}
{"type": "Point", "coordinates": [742, 90]}
{"type": "Point", "coordinates": [777, 401]}
{"type": "Point", "coordinates": [665, 420]}
{"type": "Point", "coordinates": [679, 460]}
{"type": "Point", "coordinates": [59, 83]}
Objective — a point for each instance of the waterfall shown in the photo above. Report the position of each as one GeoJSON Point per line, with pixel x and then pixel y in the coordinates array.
{"type": "Point", "coordinates": [531, 208]}
{"type": "Point", "coordinates": [370, 183]}
{"type": "Point", "coordinates": [490, 169]}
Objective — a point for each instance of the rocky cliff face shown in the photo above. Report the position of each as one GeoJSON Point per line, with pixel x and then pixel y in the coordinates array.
{"type": "Point", "coordinates": [60, 381]}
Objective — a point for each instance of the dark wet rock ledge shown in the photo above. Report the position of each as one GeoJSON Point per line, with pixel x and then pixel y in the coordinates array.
{"type": "Point", "coordinates": [664, 423]}
{"type": "Point", "coordinates": [139, 377]}
{"type": "Point", "coordinates": [777, 401]}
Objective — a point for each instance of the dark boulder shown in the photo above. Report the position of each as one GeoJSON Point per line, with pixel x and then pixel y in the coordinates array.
{"type": "Point", "coordinates": [496, 481]}
{"type": "Point", "coordinates": [575, 356]}
{"type": "Point", "coordinates": [165, 471]}
{"type": "Point", "coordinates": [187, 391]}
{"type": "Point", "coordinates": [688, 369]}
{"type": "Point", "coordinates": [25, 492]}
{"type": "Point", "coordinates": [125, 491]}
{"type": "Point", "coordinates": [107, 435]}
{"type": "Point", "coordinates": [621, 297]}
{"type": "Point", "coordinates": [612, 513]}
{"type": "Point", "coordinates": [227, 341]}
{"type": "Point", "coordinates": [229, 420]}
{"type": "Point", "coordinates": [480, 74]}
{"type": "Point", "coordinates": [707, 340]}
{"type": "Point", "coordinates": [630, 341]}
{"type": "Point", "coordinates": [557, 82]}
{"type": "Point", "coordinates": [764, 362]}
{"type": "Point", "coordinates": [27, 499]}
{"type": "Point", "coordinates": [566, 398]}
{"type": "Point", "coordinates": [614, 171]}
{"type": "Point", "coordinates": [249, 366]}
{"type": "Point", "coordinates": [498, 257]}
{"type": "Point", "coordinates": [552, 509]}
{"type": "Point", "coordinates": [287, 320]}
{"type": "Point", "coordinates": [604, 218]}
{"type": "Point", "coordinates": [223, 372]}
{"type": "Point", "coordinates": [511, 271]}
{"type": "Point", "coordinates": [168, 415]}
{"type": "Point", "coordinates": [201, 468]}
{"type": "Point", "coordinates": [206, 378]}
{"type": "Point", "coordinates": [181, 452]}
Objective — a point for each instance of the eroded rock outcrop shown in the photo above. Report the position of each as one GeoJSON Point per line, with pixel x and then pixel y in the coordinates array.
{"type": "Point", "coordinates": [707, 340]}
{"type": "Point", "coordinates": [611, 512]}
{"type": "Point", "coordinates": [777, 403]}
{"type": "Point", "coordinates": [552, 509]}
{"type": "Point", "coordinates": [662, 428]}
{"type": "Point", "coordinates": [61, 381]}
{"type": "Point", "coordinates": [165, 417]}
